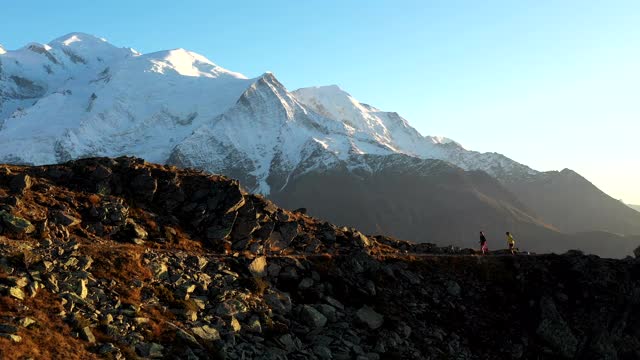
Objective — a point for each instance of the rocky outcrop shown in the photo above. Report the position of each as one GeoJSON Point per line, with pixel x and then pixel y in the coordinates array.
{"type": "Point", "coordinates": [116, 270]}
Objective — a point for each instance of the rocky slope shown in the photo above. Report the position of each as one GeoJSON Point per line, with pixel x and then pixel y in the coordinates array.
{"type": "Point", "coordinates": [118, 258]}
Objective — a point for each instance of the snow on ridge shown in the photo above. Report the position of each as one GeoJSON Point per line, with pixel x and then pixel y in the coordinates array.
{"type": "Point", "coordinates": [187, 63]}
{"type": "Point", "coordinates": [82, 96]}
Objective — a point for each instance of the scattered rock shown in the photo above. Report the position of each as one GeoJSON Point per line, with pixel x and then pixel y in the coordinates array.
{"type": "Point", "coordinates": [554, 330]}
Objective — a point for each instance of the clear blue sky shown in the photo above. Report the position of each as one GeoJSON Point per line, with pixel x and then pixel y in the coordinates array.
{"type": "Point", "coordinates": [551, 84]}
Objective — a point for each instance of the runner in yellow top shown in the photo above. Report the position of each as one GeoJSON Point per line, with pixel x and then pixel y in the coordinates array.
{"type": "Point", "coordinates": [512, 243]}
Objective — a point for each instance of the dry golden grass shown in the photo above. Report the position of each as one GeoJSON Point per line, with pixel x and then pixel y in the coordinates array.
{"type": "Point", "coordinates": [49, 338]}
{"type": "Point", "coordinates": [121, 263]}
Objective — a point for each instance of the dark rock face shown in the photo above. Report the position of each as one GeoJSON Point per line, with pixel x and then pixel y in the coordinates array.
{"type": "Point", "coordinates": [20, 183]}
{"type": "Point", "coordinates": [186, 265]}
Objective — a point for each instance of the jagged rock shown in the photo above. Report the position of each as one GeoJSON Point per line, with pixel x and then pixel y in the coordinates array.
{"type": "Point", "coordinates": [258, 267]}
{"type": "Point", "coordinates": [26, 322]}
{"type": "Point", "coordinates": [150, 350]}
{"type": "Point", "coordinates": [306, 283]}
{"type": "Point", "coordinates": [20, 183]}
{"type": "Point", "coordinates": [328, 311]}
{"type": "Point", "coordinates": [197, 262]}
{"type": "Point", "coordinates": [159, 270]}
{"type": "Point", "coordinates": [87, 335]}
{"type": "Point", "coordinates": [361, 239]}
{"type": "Point", "coordinates": [8, 329]}
{"type": "Point", "coordinates": [453, 288]}
{"type": "Point", "coordinates": [206, 333]}
{"type": "Point", "coordinates": [144, 186]}
{"type": "Point", "coordinates": [133, 231]}
{"type": "Point", "coordinates": [287, 343]}
{"type": "Point", "coordinates": [278, 302]}
{"type": "Point", "coordinates": [101, 172]}
{"type": "Point", "coordinates": [636, 252]}
{"type": "Point", "coordinates": [369, 317]}
{"type": "Point", "coordinates": [81, 288]}
{"type": "Point", "coordinates": [19, 281]}
{"type": "Point", "coordinates": [12, 337]}
{"type": "Point", "coordinates": [322, 352]}
{"type": "Point", "coordinates": [283, 235]}
{"type": "Point", "coordinates": [253, 325]}
{"type": "Point", "coordinates": [221, 228]}
{"type": "Point", "coordinates": [15, 225]}
{"type": "Point", "coordinates": [312, 317]}
{"type": "Point", "coordinates": [16, 292]}
{"type": "Point", "coordinates": [64, 219]}
{"type": "Point", "coordinates": [333, 302]}
{"type": "Point", "coordinates": [554, 330]}
{"type": "Point", "coordinates": [108, 348]}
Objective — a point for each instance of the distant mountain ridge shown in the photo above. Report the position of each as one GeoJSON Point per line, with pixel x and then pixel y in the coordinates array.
{"type": "Point", "coordinates": [635, 207]}
{"type": "Point", "coordinates": [80, 96]}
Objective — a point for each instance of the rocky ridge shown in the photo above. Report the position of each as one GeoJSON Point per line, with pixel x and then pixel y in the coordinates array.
{"type": "Point", "coordinates": [119, 258]}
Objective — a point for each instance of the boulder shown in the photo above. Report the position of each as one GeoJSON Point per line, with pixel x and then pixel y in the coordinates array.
{"type": "Point", "coordinates": [312, 317]}
{"type": "Point", "coordinates": [20, 183]}
{"type": "Point", "coordinates": [15, 225]}
{"type": "Point", "coordinates": [369, 317]}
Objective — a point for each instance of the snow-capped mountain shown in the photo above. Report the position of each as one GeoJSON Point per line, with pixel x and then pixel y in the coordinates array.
{"type": "Point", "coordinates": [80, 96]}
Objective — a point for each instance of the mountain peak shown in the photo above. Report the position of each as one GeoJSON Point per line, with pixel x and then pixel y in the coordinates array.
{"type": "Point", "coordinates": [78, 37]}
{"type": "Point", "coordinates": [187, 63]}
